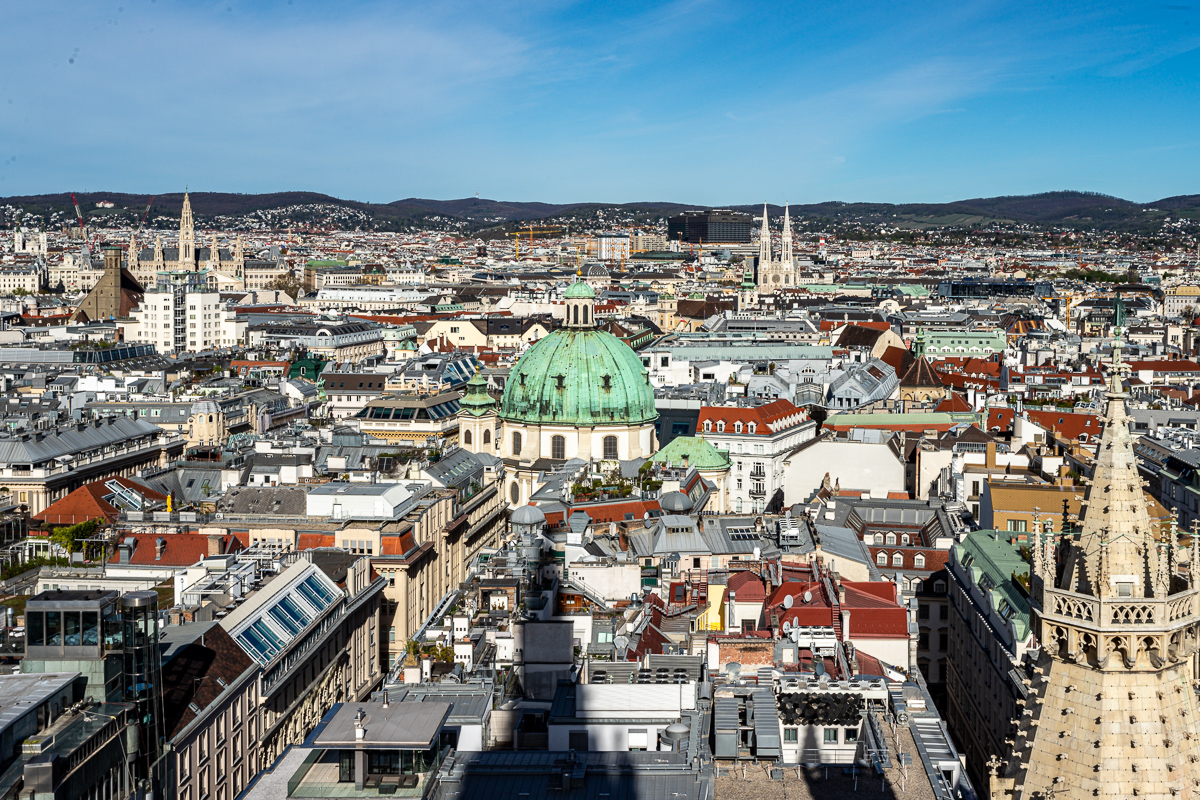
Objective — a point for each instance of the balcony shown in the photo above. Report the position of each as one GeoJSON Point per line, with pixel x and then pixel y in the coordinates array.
{"type": "Point", "coordinates": [758, 490]}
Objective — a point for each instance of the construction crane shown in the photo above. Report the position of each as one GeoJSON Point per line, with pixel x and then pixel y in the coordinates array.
{"type": "Point", "coordinates": [78, 216]}
{"type": "Point", "coordinates": [530, 230]}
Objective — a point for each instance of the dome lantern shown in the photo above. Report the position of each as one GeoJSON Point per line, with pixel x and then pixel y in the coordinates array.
{"type": "Point", "coordinates": [581, 305]}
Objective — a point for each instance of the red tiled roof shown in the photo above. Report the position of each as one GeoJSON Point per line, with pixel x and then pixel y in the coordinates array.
{"type": "Point", "coordinates": [955, 403]}
{"type": "Point", "coordinates": [1000, 418]}
{"type": "Point", "coordinates": [747, 587]}
{"type": "Point", "coordinates": [181, 549]}
{"type": "Point", "coordinates": [1173, 365]}
{"type": "Point", "coordinates": [311, 541]}
{"type": "Point", "coordinates": [768, 418]}
{"type": "Point", "coordinates": [1067, 424]}
{"type": "Point", "coordinates": [88, 503]}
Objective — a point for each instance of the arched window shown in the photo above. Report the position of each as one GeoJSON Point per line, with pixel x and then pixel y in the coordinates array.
{"type": "Point", "coordinates": [576, 315]}
{"type": "Point", "coordinates": [610, 448]}
{"type": "Point", "coordinates": [919, 561]}
{"type": "Point", "coordinates": [891, 538]}
{"type": "Point", "coordinates": [880, 559]}
{"type": "Point", "coordinates": [558, 447]}
{"type": "Point", "coordinates": [585, 321]}
{"type": "Point", "coordinates": [466, 437]}
{"type": "Point", "coordinates": [515, 493]}
{"type": "Point", "coordinates": [516, 444]}
{"type": "Point", "coordinates": [879, 538]}
{"type": "Point", "coordinates": [898, 560]}
{"type": "Point", "coordinates": [487, 437]}
{"type": "Point", "coordinates": [904, 540]}
{"type": "Point", "coordinates": [210, 417]}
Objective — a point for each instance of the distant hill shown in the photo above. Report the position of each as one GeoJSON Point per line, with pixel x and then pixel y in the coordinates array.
{"type": "Point", "coordinates": [1075, 210]}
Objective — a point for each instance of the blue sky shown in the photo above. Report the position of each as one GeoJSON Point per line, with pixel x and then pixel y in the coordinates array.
{"type": "Point", "coordinates": [696, 101]}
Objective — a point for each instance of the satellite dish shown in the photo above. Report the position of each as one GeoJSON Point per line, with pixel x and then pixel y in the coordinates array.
{"type": "Point", "coordinates": [787, 601]}
{"type": "Point", "coordinates": [796, 635]}
{"type": "Point", "coordinates": [787, 626]}
{"type": "Point", "coordinates": [808, 597]}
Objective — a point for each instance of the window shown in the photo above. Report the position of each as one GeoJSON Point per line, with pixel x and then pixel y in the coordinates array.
{"type": "Point", "coordinates": [919, 561]}
{"type": "Point", "coordinates": [516, 441]}
{"type": "Point", "coordinates": [897, 559]}
{"type": "Point", "coordinates": [831, 736]}
{"type": "Point", "coordinates": [923, 611]}
{"type": "Point", "coordinates": [1016, 525]}
{"type": "Point", "coordinates": [881, 559]}
{"type": "Point", "coordinates": [791, 734]}
{"type": "Point", "coordinates": [558, 447]}
{"type": "Point", "coordinates": [577, 741]}
{"type": "Point", "coordinates": [466, 437]}
{"type": "Point", "coordinates": [891, 538]}
{"type": "Point", "coordinates": [879, 538]}
{"type": "Point", "coordinates": [905, 540]}
{"type": "Point", "coordinates": [487, 437]}
{"type": "Point", "coordinates": [638, 740]}
{"type": "Point", "coordinates": [939, 587]}
{"type": "Point", "coordinates": [515, 493]}
{"type": "Point", "coordinates": [1124, 589]}
{"type": "Point", "coordinates": [851, 735]}
{"type": "Point", "coordinates": [610, 448]}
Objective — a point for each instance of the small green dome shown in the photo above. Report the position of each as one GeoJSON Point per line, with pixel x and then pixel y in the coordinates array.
{"type": "Point", "coordinates": [579, 377]}
{"type": "Point", "coordinates": [476, 399]}
{"type": "Point", "coordinates": [695, 296]}
{"type": "Point", "coordinates": [580, 290]}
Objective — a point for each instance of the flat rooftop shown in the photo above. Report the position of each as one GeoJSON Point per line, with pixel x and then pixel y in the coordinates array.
{"type": "Point", "coordinates": [20, 693]}
{"type": "Point", "coordinates": [399, 725]}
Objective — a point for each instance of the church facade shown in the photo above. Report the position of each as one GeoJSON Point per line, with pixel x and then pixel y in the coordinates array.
{"type": "Point", "coordinates": [774, 274]}
{"type": "Point", "coordinates": [580, 392]}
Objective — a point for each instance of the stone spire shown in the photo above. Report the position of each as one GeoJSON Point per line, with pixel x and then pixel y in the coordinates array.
{"type": "Point", "coordinates": [1111, 705]}
{"type": "Point", "coordinates": [158, 253]}
{"type": "Point", "coordinates": [187, 233]}
{"type": "Point", "coordinates": [785, 254]}
{"type": "Point", "coordinates": [764, 241]}
{"type": "Point", "coordinates": [214, 255]}
{"type": "Point", "coordinates": [134, 250]}
{"type": "Point", "coordinates": [1114, 502]}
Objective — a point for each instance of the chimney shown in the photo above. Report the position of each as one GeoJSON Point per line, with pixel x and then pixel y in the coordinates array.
{"type": "Point", "coordinates": [991, 455]}
{"type": "Point", "coordinates": [215, 544]}
{"type": "Point", "coordinates": [160, 547]}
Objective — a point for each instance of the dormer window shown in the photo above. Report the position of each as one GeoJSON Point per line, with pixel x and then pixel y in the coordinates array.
{"type": "Point", "coordinates": [707, 426]}
{"type": "Point", "coordinates": [752, 427]}
{"type": "Point", "coordinates": [737, 427]}
{"type": "Point", "coordinates": [560, 381]}
{"type": "Point", "coordinates": [607, 381]}
{"type": "Point", "coordinates": [721, 426]}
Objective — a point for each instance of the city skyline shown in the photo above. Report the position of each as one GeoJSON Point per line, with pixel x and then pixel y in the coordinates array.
{"type": "Point", "coordinates": [700, 102]}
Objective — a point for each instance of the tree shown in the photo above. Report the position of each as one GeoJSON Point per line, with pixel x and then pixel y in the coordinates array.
{"type": "Point", "coordinates": [289, 284]}
{"type": "Point", "coordinates": [71, 537]}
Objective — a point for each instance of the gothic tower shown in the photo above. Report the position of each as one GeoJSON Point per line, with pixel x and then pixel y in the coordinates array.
{"type": "Point", "coordinates": [1111, 710]}
{"type": "Point", "coordinates": [748, 292]}
{"type": "Point", "coordinates": [187, 236]}
{"type": "Point", "coordinates": [785, 254]}
{"type": "Point", "coordinates": [764, 243]}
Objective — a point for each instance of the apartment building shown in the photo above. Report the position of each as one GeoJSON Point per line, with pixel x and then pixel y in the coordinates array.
{"type": "Point", "coordinates": [757, 439]}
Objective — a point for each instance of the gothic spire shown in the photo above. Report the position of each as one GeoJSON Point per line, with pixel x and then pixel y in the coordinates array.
{"type": "Point", "coordinates": [187, 232]}
{"type": "Point", "coordinates": [1114, 502]}
{"type": "Point", "coordinates": [785, 254]}
{"type": "Point", "coordinates": [764, 242]}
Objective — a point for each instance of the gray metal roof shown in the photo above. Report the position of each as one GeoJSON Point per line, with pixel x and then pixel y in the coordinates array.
{"type": "Point", "coordinates": [412, 725]}
{"type": "Point", "coordinates": [71, 441]}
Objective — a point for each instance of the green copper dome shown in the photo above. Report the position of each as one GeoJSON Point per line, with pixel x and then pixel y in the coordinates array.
{"type": "Point", "coordinates": [579, 290]}
{"type": "Point", "coordinates": [579, 377]}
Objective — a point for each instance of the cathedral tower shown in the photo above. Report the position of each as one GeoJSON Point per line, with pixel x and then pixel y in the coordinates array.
{"type": "Point", "coordinates": [764, 243]}
{"type": "Point", "coordinates": [785, 252]}
{"type": "Point", "coordinates": [1111, 710]}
